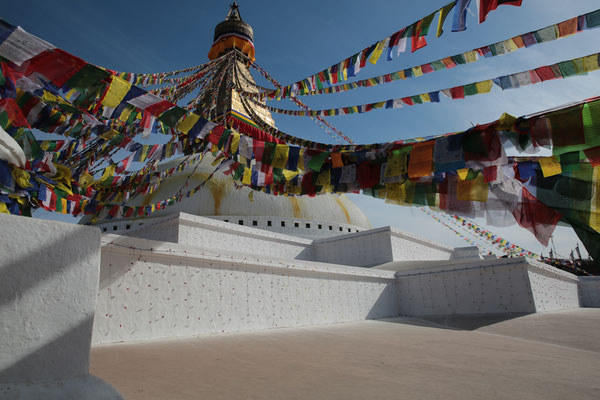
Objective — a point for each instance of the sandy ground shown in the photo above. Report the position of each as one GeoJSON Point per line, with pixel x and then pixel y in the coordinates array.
{"type": "Point", "coordinates": [540, 356]}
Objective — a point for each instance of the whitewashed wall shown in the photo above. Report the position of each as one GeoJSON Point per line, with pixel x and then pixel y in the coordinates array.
{"type": "Point", "coordinates": [406, 246]}
{"type": "Point", "coordinates": [48, 284]}
{"type": "Point", "coordinates": [363, 249]}
{"type": "Point", "coordinates": [553, 289]}
{"type": "Point", "coordinates": [151, 289]}
{"type": "Point", "coordinates": [205, 232]}
{"type": "Point", "coordinates": [382, 245]}
{"type": "Point", "coordinates": [589, 291]}
{"type": "Point", "coordinates": [487, 287]}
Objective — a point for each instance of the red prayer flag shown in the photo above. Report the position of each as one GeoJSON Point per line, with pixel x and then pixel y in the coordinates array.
{"type": "Point", "coordinates": [486, 6]}
{"type": "Point", "coordinates": [458, 92]}
{"type": "Point", "coordinates": [536, 217]}
{"type": "Point", "coordinates": [490, 173]}
{"type": "Point", "coordinates": [593, 156]}
{"type": "Point", "coordinates": [56, 65]}
{"type": "Point", "coordinates": [14, 113]}
{"type": "Point", "coordinates": [545, 73]}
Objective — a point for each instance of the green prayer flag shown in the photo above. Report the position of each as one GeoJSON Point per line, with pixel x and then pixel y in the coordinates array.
{"type": "Point", "coordinates": [570, 162]}
{"type": "Point", "coordinates": [470, 89]}
{"type": "Point", "coordinates": [316, 161]}
{"type": "Point", "coordinates": [172, 116]}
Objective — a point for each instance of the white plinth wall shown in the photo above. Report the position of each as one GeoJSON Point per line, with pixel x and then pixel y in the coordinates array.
{"type": "Point", "coordinates": [186, 275]}
{"type": "Point", "coordinates": [151, 289]}
{"type": "Point", "coordinates": [48, 284]}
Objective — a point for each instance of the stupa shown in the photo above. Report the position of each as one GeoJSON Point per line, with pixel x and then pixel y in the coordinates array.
{"type": "Point", "coordinates": [309, 217]}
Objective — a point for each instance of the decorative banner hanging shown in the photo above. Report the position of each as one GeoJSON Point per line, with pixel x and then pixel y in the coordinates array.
{"type": "Point", "coordinates": [399, 41]}
{"type": "Point", "coordinates": [564, 69]}
{"type": "Point", "coordinates": [465, 173]}
{"type": "Point", "coordinates": [544, 35]}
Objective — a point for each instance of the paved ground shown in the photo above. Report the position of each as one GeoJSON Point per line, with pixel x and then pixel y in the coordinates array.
{"type": "Point", "coordinates": [543, 356]}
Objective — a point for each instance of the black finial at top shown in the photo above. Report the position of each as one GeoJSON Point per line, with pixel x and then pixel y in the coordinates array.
{"type": "Point", "coordinates": [233, 23]}
{"type": "Point", "coordinates": [234, 12]}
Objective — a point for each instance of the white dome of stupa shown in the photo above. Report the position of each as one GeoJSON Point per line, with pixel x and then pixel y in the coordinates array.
{"type": "Point", "coordinates": [221, 199]}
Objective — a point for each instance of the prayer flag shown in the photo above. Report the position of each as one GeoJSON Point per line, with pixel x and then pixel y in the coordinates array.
{"type": "Point", "coordinates": [421, 160]}
{"type": "Point", "coordinates": [20, 46]}
{"type": "Point", "coordinates": [444, 11]}
{"type": "Point", "coordinates": [486, 6]}
{"type": "Point", "coordinates": [460, 16]}
{"type": "Point", "coordinates": [280, 156]}
{"type": "Point", "coordinates": [550, 166]}
{"type": "Point", "coordinates": [116, 92]}
{"type": "Point", "coordinates": [536, 217]}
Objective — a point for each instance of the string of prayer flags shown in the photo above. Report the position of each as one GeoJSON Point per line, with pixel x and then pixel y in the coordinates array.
{"type": "Point", "coordinates": [313, 86]}
{"type": "Point", "coordinates": [564, 69]}
{"type": "Point", "coordinates": [414, 33]}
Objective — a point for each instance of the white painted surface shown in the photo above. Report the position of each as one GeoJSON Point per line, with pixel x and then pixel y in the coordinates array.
{"type": "Point", "coordinates": [486, 287]}
{"type": "Point", "coordinates": [478, 287]}
{"type": "Point", "coordinates": [363, 249]}
{"type": "Point", "coordinates": [589, 291]}
{"type": "Point", "coordinates": [406, 246]}
{"type": "Point", "coordinates": [553, 289]}
{"type": "Point", "coordinates": [178, 290]}
{"type": "Point", "coordinates": [48, 282]}
{"type": "Point", "coordinates": [383, 245]}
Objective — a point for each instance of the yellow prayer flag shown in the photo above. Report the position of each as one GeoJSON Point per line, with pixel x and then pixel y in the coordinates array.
{"type": "Point", "coordinates": [301, 159]}
{"type": "Point", "coordinates": [289, 175]}
{"type": "Point", "coordinates": [3, 209]}
{"type": "Point", "coordinates": [324, 178]}
{"type": "Point", "coordinates": [125, 114]}
{"type": "Point", "coordinates": [591, 63]}
{"type": "Point", "coordinates": [473, 189]}
{"type": "Point", "coordinates": [344, 71]}
{"type": "Point", "coordinates": [49, 97]}
{"type": "Point", "coordinates": [377, 52]}
{"type": "Point", "coordinates": [595, 203]}
{"type": "Point", "coordinates": [444, 11]}
{"type": "Point", "coordinates": [417, 71]}
{"type": "Point", "coordinates": [326, 189]}
{"type": "Point", "coordinates": [506, 122]}
{"type": "Point", "coordinates": [425, 98]}
{"type": "Point", "coordinates": [187, 124]}
{"type": "Point", "coordinates": [247, 178]}
{"type": "Point", "coordinates": [109, 134]}
{"type": "Point", "coordinates": [400, 193]}
{"type": "Point", "coordinates": [470, 56]}
{"type": "Point", "coordinates": [63, 203]}
{"type": "Point", "coordinates": [462, 173]}
{"type": "Point", "coordinates": [85, 179]}
{"type": "Point", "coordinates": [64, 188]}
{"type": "Point", "coordinates": [396, 165]}
{"type": "Point", "coordinates": [109, 172]}
{"type": "Point", "coordinates": [550, 166]}
{"type": "Point", "coordinates": [484, 86]}
{"type": "Point", "coordinates": [116, 92]}
{"type": "Point", "coordinates": [21, 177]}
{"type": "Point", "coordinates": [280, 156]}
{"type": "Point", "coordinates": [510, 45]}
{"type": "Point", "coordinates": [235, 142]}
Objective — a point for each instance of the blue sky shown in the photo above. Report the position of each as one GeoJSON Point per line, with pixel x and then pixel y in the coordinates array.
{"type": "Point", "coordinates": [296, 39]}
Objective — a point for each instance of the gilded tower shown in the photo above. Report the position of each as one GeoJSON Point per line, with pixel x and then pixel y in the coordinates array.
{"type": "Point", "coordinates": [232, 34]}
